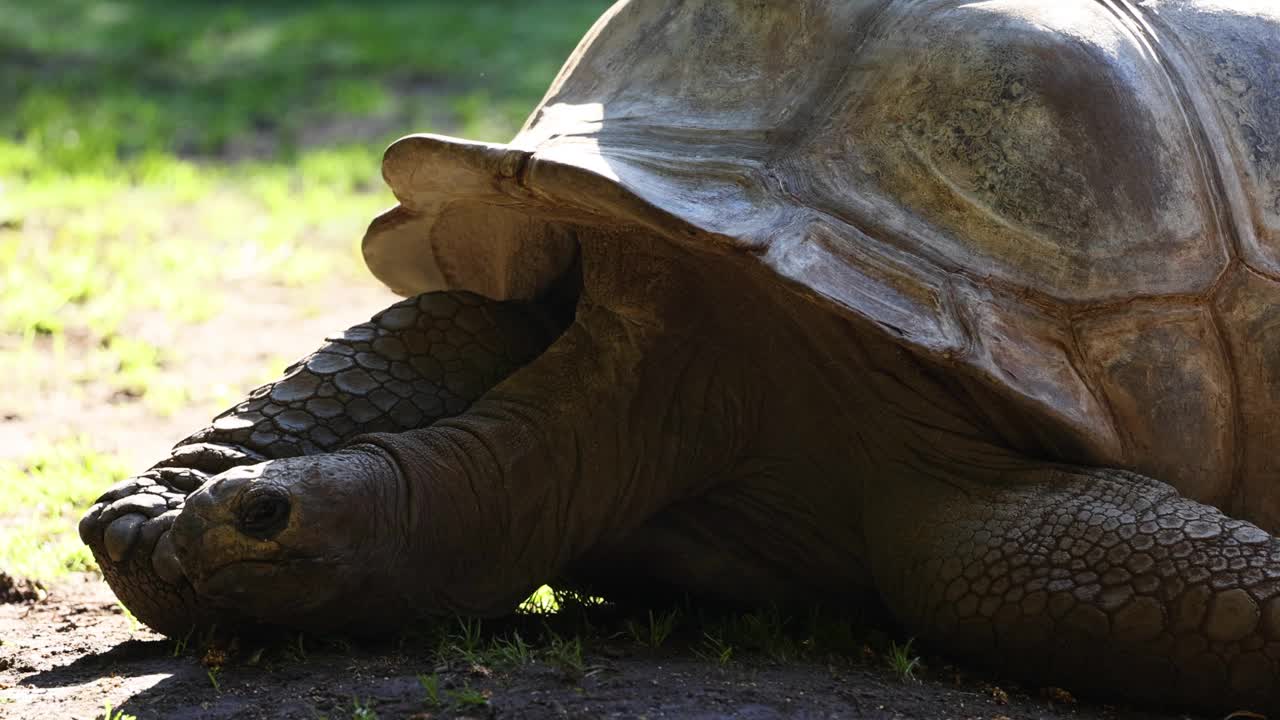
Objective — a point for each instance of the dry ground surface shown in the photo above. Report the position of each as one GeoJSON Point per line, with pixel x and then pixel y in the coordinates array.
{"type": "Point", "coordinates": [182, 185]}
{"type": "Point", "coordinates": [74, 653]}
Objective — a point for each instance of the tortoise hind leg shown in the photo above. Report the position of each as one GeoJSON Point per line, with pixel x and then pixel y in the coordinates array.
{"type": "Point", "coordinates": [416, 362]}
{"type": "Point", "coordinates": [1101, 580]}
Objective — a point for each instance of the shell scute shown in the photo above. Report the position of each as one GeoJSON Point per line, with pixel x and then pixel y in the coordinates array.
{"type": "Point", "coordinates": [1169, 388]}
{"type": "Point", "coordinates": [1248, 308]}
{"type": "Point", "coordinates": [1037, 145]}
{"type": "Point", "coordinates": [1227, 52]}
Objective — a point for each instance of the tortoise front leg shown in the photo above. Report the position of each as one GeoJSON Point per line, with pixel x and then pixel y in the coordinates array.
{"type": "Point", "coordinates": [617, 420]}
{"type": "Point", "coordinates": [1099, 580]}
{"type": "Point", "coordinates": [416, 362]}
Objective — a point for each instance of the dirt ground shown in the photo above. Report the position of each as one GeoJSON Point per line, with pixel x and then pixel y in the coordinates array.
{"type": "Point", "coordinates": [70, 654]}
{"type": "Point", "coordinates": [260, 323]}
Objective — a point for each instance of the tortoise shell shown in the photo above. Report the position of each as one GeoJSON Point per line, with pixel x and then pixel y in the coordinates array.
{"type": "Point", "coordinates": [1073, 207]}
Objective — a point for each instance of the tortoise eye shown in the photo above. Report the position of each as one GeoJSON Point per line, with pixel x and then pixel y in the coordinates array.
{"type": "Point", "coordinates": [264, 513]}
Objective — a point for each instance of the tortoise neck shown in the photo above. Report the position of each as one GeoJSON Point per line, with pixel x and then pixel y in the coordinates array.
{"type": "Point", "coordinates": [613, 423]}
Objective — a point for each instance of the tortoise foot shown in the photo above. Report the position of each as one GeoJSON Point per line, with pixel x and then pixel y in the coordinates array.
{"type": "Point", "coordinates": [128, 530]}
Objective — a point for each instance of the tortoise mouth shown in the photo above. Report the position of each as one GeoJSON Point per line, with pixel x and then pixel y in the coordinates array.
{"type": "Point", "coordinates": [282, 586]}
{"type": "Point", "coordinates": [229, 581]}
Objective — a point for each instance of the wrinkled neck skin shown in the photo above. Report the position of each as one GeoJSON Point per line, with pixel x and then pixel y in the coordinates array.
{"type": "Point", "coordinates": [624, 412]}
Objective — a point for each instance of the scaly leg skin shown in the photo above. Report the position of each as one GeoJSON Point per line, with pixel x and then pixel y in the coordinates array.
{"type": "Point", "coordinates": [416, 362]}
{"type": "Point", "coordinates": [1098, 580]}
{"type": "Point", "coordinates": [618, 419]}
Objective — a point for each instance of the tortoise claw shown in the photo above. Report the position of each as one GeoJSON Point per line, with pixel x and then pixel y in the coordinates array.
{"type": "Point", "coordinates": [164, 560]}
{"type": "Point", "coordinates": [154, 528]}
{"type": "Point", "coordinates": [89, 524]}
{"type": "Point", "coordinates": [125, 488]}
{"type": "Point", "coordinates": [186, 480]}
{"type": "Point", "coordinates": [132, 513]}
{"type": "Point", "coordinates": [122, 534]}
{"type": "Point", "coordinates": [146, 503]}
{"type": "Point", "coordinates": [209, 458]}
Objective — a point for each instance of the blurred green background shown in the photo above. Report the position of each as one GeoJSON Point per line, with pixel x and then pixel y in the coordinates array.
{"type": "Point", "coordinates": [183, 186]}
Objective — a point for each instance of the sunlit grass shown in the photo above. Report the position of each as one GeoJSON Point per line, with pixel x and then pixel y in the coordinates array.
{"type": "Point", "coordinates": [86, 255]}
{"type": "Point", "coordinates": [152, 154]}
{"type": "Point", "coordinates": [97, 81]}
{"type": "Point", "coordinates": [42, 498]}
{"type": "Point", "coordinates": [161, 161]}
{"type": "Point", "coordinates": [85, 252]}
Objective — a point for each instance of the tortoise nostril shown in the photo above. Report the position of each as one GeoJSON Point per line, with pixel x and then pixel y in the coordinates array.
{"type": "Point", "coordinates": [264, 513]}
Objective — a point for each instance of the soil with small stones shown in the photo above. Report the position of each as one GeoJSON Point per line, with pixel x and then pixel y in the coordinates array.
{"type": "Point", "coordinates": [15, 590]}
{"type": "Point", "coordinates": [72, 653]}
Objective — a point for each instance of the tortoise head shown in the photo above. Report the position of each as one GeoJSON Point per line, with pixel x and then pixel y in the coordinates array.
{"type": "Point", "coordinates": [296, 540]}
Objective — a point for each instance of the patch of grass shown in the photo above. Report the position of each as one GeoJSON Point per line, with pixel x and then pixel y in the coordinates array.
{"type": "Point", "coordinates": [362, 710]}
{"type": "Point", "coordinates": [110, 713]}
{"type": "Point", "coordinates": [479, 649]}
{"type": "Point", "coordinates": [512, 651]}
{"type": "Point", "coordinates": [766, 631]}
{"type": "Point", "coordinates": [656, 631]}
{"type": "Point", "coordinates": [152, 153]}
{"type": "Point", "coordinates": [903, 661]}
{"type": "Point", "coordinates": [134, 254]}
{"type": "Point", "coordinates": [565, 653]}
{"type": "Point", "coordinates": [714, 648]}
{"type": "Point", "coordinates": [582, 625]}
{"type": "Point", "coordinates": [49, 491]}
{"type": "Point", "coordinates": [468, 697]}
{"type": "Point", "coordinates": [461, 698]}
{"type": "Point", "coordinates": [468, 658]}
{"type": "Point", "coordinates": [213, 673]}
{"type": "Point", "coordinates": [431, 686]}
{"type": "Point", "coordinates": [467, 642]}
{"type": "Point", "coordinates": [141, 77]}
{"type": "Point", "coordinates": [180, 644]}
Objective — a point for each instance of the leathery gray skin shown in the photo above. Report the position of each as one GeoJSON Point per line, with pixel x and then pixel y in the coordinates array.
{"type": "Point", "coordinates": [419, 360]}
{"type": "Point", "coordinates": [700, 429]}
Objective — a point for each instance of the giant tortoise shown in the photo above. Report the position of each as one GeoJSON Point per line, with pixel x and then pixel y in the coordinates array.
{"type": "Point", "coordinates": [967, 309]}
